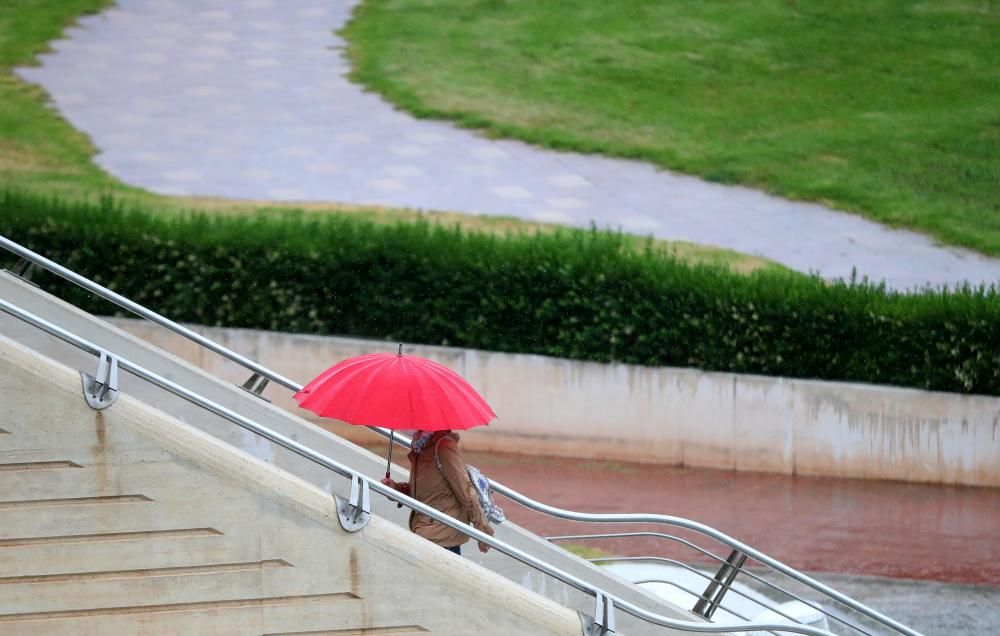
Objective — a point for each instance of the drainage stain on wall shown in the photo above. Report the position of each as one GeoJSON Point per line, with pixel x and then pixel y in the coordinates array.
{"type": "Point", "coordinates": [100, 452]}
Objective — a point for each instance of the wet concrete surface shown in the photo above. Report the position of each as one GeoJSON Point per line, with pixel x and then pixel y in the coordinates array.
{"type": "Point", "coordinates": [925, 555]}
{"type": "Point", "coordinates": [933, 609]}
{"type": "Point", "coordinates": [948, 534]}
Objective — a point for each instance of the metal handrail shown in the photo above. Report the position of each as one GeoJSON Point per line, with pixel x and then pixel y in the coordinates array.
{"type": "Point", "coordinates": [163, 321]}
{"type": "Point", "coordinates": [394, 495]}
{"type": "Point", "coordinates": [699, 595]}
{"type": "Point", "coordinates": [148, 314]}
{"type": "Point", "coordinates": [718, 536]}
{"type": "Point", "coordinates": [708, 553]}
{"type": "Point", "coordinates": [123, 302]}
{"type": "Point", "coordinates": [692, 593]}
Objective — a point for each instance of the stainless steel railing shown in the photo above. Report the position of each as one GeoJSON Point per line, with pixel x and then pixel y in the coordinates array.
{"type": "Point", "coordinates": [264, 372]}
{"type": "Point", "coordinates": [285, 442]}
{"type": "Point", "coordinates": [724, 539]}
{"type": "Point", "coordinates": [139, 310]}
{"type": "Point", "coordinates": [705, 598]}
{"type": "Point", "coordinates": [714, 557]}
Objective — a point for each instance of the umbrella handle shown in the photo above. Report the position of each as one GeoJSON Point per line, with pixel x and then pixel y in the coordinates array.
{"type": "Point", "coordinates": [389, 462]}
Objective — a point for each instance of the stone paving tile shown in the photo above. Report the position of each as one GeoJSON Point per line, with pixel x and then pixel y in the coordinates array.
{"type": "Point", "coordinates": [249, 99]}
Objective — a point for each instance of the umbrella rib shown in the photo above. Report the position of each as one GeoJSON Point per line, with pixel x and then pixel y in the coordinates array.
{"type": "Point", "coordinates": [336, 386]}
{"type": "Point", "coordinates": [455, 414]}
{"type": "Point", "coordinates": [433, 409]}
{"type": "Point", "coordinates": [478, 408]}
{"type": "Point", "coordinates": [360, 397]}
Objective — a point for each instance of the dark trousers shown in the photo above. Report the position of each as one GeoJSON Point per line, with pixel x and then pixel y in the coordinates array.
{"type": "Point", "coordinates": [457, 549]}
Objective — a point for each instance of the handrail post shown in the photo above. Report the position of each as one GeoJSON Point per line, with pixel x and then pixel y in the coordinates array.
{"type": "Point", "coordinates": [101, 390]}
{"type": "Point", "coordinates": [255, 385]}
{"type": "Point", "coordinates": [720, 584]}
{"type": "Point", "coordinates": [355, 511]}
{"type": "Point", "coordinates": [23, 269]}
{"type": "Point", "coordinates": [603, 623]}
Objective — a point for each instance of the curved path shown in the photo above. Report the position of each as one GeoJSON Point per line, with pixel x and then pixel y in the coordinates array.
{"type": "Point", "coordinates": [248, 99]}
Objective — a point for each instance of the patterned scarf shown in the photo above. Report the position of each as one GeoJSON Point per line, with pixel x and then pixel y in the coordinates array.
{"type": "Point", "coordinates": [420, 439]}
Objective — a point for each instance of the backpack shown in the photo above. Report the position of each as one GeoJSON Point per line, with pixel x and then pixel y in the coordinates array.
{"type": "Point", "coordinates": [492, 512]}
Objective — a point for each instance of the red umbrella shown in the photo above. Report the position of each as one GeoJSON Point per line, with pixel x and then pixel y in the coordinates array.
{"type": "Point", "coordinates": [395, 391]}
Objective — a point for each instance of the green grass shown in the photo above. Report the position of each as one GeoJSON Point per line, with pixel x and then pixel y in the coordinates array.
{"type": "Point", "coordinates": [38, 149]}
{"type": "Point", "coordinates": [585, 551]}
{"type": "Point", "coordinates": [41, 153]}
{"type": "Point", "coordinates": [889, 108]}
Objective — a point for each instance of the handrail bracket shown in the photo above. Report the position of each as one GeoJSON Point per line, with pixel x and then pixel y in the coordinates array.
{"type": "Point", "coordinates": [255, 386]}
{"type": "Point", "coordinates": [23, 269]}
{"type": "Point", "coordinates": [356, 511]}
{"type": "Point", "coordinates": [101, 390]}
{"type": "Point", "coordinates": [603, 622]}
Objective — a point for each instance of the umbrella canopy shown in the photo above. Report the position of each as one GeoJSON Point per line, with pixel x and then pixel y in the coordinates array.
{"type": "Point", "coordinates": [395, 391]}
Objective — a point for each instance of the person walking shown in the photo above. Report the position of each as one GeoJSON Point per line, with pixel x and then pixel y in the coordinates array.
{"type": "Point", "coordinates": [439, 479]}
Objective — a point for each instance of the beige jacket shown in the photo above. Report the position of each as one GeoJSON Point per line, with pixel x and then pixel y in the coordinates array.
{"type": "Point", "coordinates": [449, 490]}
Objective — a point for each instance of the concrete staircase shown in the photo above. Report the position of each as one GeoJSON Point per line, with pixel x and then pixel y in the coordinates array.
{"type": "Point", "coordinates": [171, 366]}
{"type": "Point", "coordinates": [127, 521]}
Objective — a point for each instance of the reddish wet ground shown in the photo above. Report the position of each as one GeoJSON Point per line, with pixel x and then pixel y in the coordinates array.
{"type": "Point", "coordinates": [918, 531]}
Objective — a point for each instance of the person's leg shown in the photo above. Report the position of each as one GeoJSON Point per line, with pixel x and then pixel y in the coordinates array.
{"type": "Point", "coordinates": [457, 549]}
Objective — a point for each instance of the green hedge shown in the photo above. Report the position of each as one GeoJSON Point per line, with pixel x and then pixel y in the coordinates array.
{"type": "Point", "coordinates": [576, 294]}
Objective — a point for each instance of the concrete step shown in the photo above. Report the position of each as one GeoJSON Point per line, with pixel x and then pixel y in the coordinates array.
{"type": "Point", "coordinates": [59, 477]}
{"type": "Point", "coordinates": [316, 583]}
{"type": "Point", "coordinates": [127, 555]}
{"type": "Point", "coordinates": [226, 515]}
{"type": "Point", "coordinates": [307, 568]}
{"type": "Point", "coordinates": [236, 616]}
{"type": "Point", "coordinates": [271, 578]}
{"type": "Point", "coordinates": [82, 455]}
{"type": "Point", "coordinates": [76, 551]}
{"type": "Point", "coordinates": [83, 437]}
{"type": "Point", "coordinates": [254, 529]}
{"type": "Point", "coordinates": [97, 425]}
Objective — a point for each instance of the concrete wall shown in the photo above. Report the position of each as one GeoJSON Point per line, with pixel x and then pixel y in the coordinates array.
{"type": "Point", "coordinates": [667, 415]}
{"type": "Point", "coordinates": [128, 521]}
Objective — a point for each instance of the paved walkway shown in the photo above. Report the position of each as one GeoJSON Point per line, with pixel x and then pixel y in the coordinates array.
{"type": "Point", "coordinates": [926, 532]}
{"type": "Point", "coordinates": [854, 527]}
{"type": "Point", "coordinates": [925, 555]}
{"type": "Point", "coordinates": [248, 99]}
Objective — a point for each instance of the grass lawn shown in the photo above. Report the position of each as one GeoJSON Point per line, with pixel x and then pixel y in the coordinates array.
{"type": "Point", "coordinates": [38, 149]}
{"type": "Point", "coordinates": [41, 153]}
{"type": "Point", "coordinates": [889, 108]}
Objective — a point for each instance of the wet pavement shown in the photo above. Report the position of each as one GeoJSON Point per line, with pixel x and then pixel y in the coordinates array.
{"type": "Point", "coordinates": [949, 534]}
{"type": "Point", "coordinates": [925, 555]}
{"type": "Point", "coordinates": [933, 609]}
{"type": "Point", "coordinates": [250, 99]}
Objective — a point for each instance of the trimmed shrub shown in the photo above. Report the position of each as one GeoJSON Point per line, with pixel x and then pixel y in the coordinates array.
{"type": "Point", "coordinates": [578, 294]}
